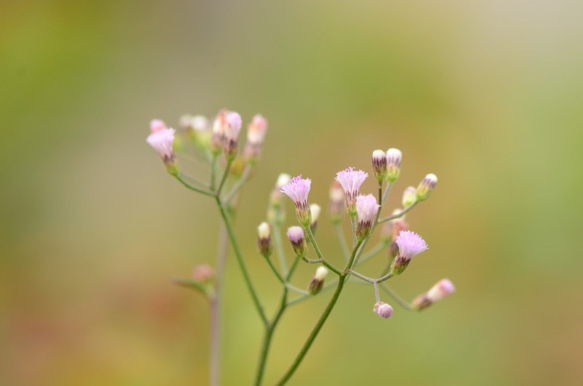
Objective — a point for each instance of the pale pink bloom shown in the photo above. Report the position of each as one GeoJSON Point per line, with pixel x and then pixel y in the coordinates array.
{"type": "Point", "coordinates": [410, 244]}
{"type": "Point", "coordinates": [383, 309]}
{"type": "Point", "coordinates": [295, 234]}
{"type": "Point", "coordinates": [440, 290]}
{"type": "Point", "coordinates": [232, 126]}
{"type": "Point", "coordinates": [256, 130]}
{"type": "Point", "coordinates": [297, 189]}
{"type": "Point", "coordinates": [351, 180]}
{"type": "Point", "coordinates": [157, 125]}
{"type": "Point", "coordinates": [161, 141]}
{"type": "Point", "coordinates": [366, 208]}
{"type": "Point", "coordinates": [366, 211]}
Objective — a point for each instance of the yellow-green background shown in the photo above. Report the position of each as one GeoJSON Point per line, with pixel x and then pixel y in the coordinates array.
{"type": "Point", "coordinates": [486, 94]}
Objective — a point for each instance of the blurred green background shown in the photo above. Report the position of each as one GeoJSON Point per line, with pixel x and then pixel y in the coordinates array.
{"type": "Point", "coordinates": [485, 94]}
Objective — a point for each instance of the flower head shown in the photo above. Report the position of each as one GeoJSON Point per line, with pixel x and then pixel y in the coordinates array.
{"type": "Point", "coordinates": [351, 180]}
{"type": "Point", "coordinates": [336, 206]}
{"type": "Point", "coordinates": [295, 235]}
{"type": "Point", "coordinates": [232, 127]}
{"type": "Point", "coordinates": [317, 281]}
{"type": "Point", "coordinates": [379, 164]}
{"type": "Point", "coordinates": [297, 189]}
{"type": "Point", "coordinates": [264, 239]}
{"type": "Point", "coordinates": [383, 310]}
{"type": "Point", "coordinates": [410, 244]}
{"type": "Point", "coordinates": [315, 210]}
{"type": "Point", "coordinates": [442, 289]}
{"type": "Point", "coordinates": [409, 196]}
{"type": "Point", "coordinates": [255, 135]}
{"type": "Point", "coordinates": [426, 187]}
{"type": "Point", "coordinates": [157, 125]}
{"type": "Point", "coordinates": [162, 140]}
{"type": "Point", "coordinates": [394, 157]}
{"type": "Point", "coordinates": [366, 210]}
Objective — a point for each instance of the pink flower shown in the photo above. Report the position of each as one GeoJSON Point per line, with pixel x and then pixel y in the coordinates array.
{"type": "Point", "coordinates": [410, 244]}
{"type": "Point", "coordinates": [157, 125]}
{"type": "Point", "coordinates": [351, 180]}
{"type": "Point", "coordinates": [297, 189]}
{"type": "Point", "coordinates": [366, 210]}
{"type": "Point", "coordinates": [232, 126]}
{"type": "Point", "coordinates": [295, 234]}
{"type": "Point", "coordinates": [256, 130]}
{"type": "Point", "coordinates": [161, 140]}
{"type": "Point", "coordinates": [443, 288]}
{"type": "Point", "coordinates": [383, 310]}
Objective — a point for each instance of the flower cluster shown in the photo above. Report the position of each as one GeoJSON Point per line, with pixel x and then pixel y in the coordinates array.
{"type": "Point", "coordinates": [216, 141]}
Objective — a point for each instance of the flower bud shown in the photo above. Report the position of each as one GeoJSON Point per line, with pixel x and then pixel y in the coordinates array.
{"type": "Point", "coordinates": [336, 205]}
{"type": "Point", "coordinates": [264, 239]}
{"type": "Point", "coordinates": [383, 310]}
{"type": "Point", "coordinates": [255, 135]}
{"type": "Point", "coordinates": [379, 165]}
{"type": "Point", "coordinates": [439, 291]}
{"type": "Point", "coordinates": [426, 187]}
{"type": "Point", "coordinates": [366, 209]}
{"type": "Point", "coordinates": [314, 214]}
{"type": "Point", "coordinates": [203, 273]}
{"type": "Point", "coordinates": [393, 164]}
{"type": "Point", "coordinates": [232, 129]}
{"type": "Point", "coordinates": [218, 136]}
{"type": "Point", "coordinates": [296, 237]}
{"type": "Point", "coordinates": [317, 281]}
{"type": "Point", "coordinates": [409, 196]}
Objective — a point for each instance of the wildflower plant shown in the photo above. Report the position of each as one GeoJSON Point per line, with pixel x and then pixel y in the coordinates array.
{"type": "Point", "coordinates": [217, 143]}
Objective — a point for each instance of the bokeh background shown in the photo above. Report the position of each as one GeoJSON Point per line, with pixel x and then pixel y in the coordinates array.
{"type": "Point", "coordinates": [486, 94]}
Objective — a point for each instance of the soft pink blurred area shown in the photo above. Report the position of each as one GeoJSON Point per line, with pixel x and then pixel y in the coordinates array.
{"type": "Point", "coordinates": [486, 94]}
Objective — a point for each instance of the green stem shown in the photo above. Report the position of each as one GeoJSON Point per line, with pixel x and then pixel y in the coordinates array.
{"type": "Point", "coordinates": [213, 171]}
{"type": "Point", "coordinates": [399, 299]}
{"type": "Point", "coordinates": [344, 275]}
{"type": "Point", "coordinates": [241, 262]}
{"type": "Point", "coordinates": [194, 188]}
{"type": "Point", "coordinates": [229, 196]}
{"type": "Point", "coordinates": [373, 252]}
{"type": "Point", "coordinates": [397, 215]}
{"type": "Point", "coordinates": [341, 240]}
{"type": "Point", "coordinates": [216, 304]}
{"type": "Point", "coordinates": [225, 175]}
{"type": "Point", "coordinates": [279, 246]}
{"type": "Point", "coordinates": [312, 240]}
{"type": "Point", "coordinates": [195, 181]}
{"type": "Point", "coordinates": [270, 328]}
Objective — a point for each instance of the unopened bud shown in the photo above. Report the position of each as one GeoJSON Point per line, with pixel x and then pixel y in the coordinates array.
{"type": "Point", "coordinates": [277, 195]}
{"type": "Point", "coordinates": [409, 196]}
{"type": "Point", "coordinates": [336, 206]}
{"type": "Point", "coordinates": [317, 281]}
{"type": "Point", "coordinates": [426, 187]}
{"type": "Point", "coordinates": [255, 135]}
{"type": "Point", "coordinates": [383, 310]}
{"type": "Point", "coordinates": [295, 234]}
{"type": "Point", "coordinates": [232, 129]}
{"type": "Point", "coordinates": [315, 210]}
{"type": "Point", "coordinates": [379, 165]}
{"type": "Point", "coordinates": [394, 157]}
{"type": "Point", "coordinates": [439, 291]}
{"type": "Point", "coordinates": [366, 210]}
{"type": "Point", "coordinates": [264, 239]}
{"type": "Point", "coordinates": [203, 273]}
{"type": "Point", "coordinates": [218, 136]}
